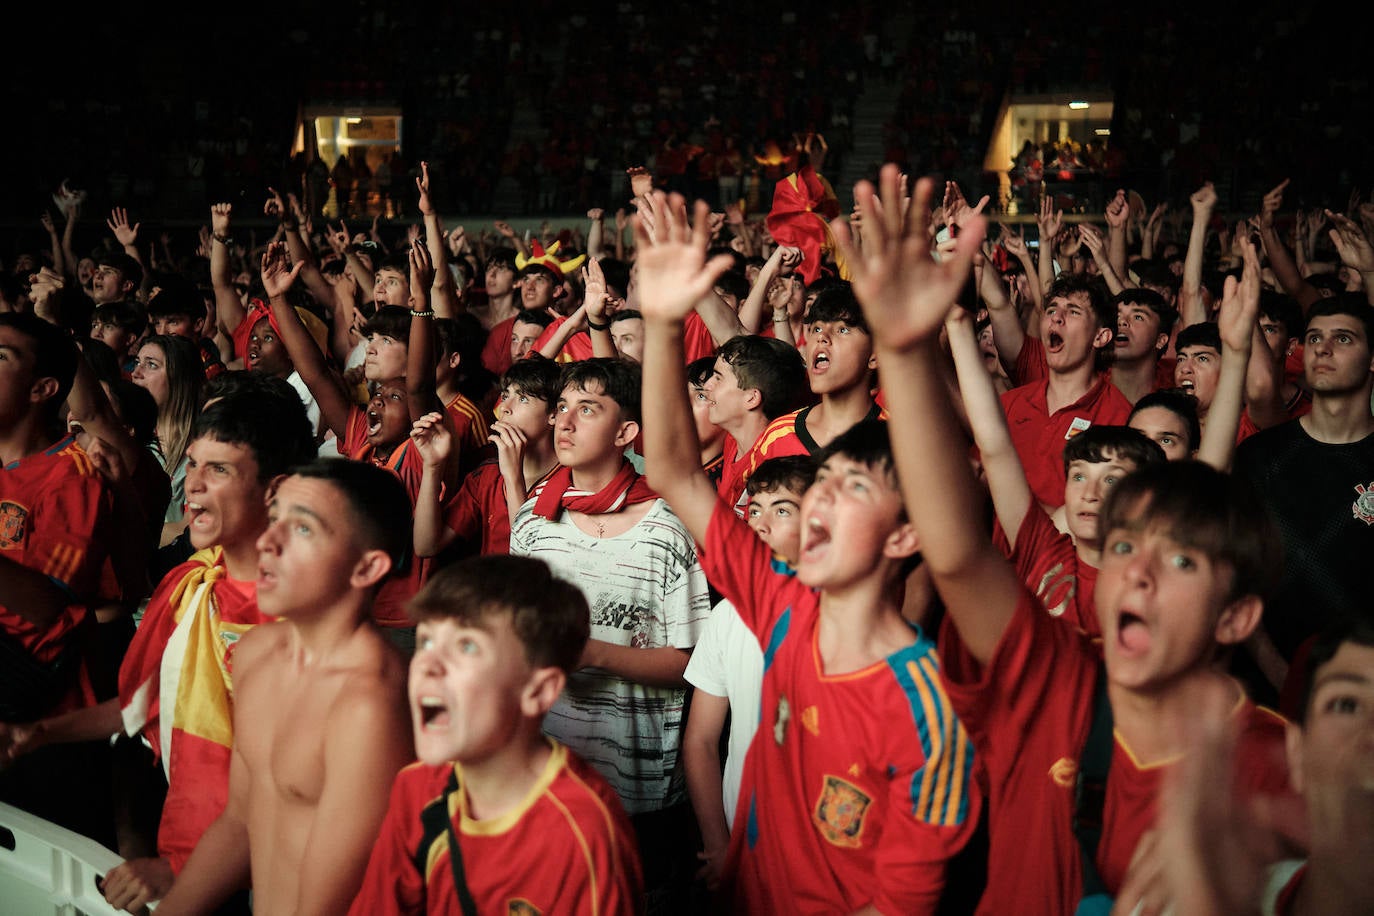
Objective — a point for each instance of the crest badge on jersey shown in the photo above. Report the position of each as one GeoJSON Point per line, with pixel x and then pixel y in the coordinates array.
{"type": "Point", "coordinates": [13, 524]}
{"type": "Point", "coordinates": [1363, 507]}
{"type": "Point", "coordinates": [840, 812]}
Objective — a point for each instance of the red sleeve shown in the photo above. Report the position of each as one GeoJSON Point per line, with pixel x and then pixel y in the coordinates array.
{"type": "Point", "coordinates": [740, 567]}
{"type": "Point", "coordinates": [1030, 365]}
{"type": "Point", "coordinates": [62, 544]}
{"type": "Point", "coordinates": [1034, 664]}
{"type": "Point", "coordinates": [496, 352]}
{"type": "Point", "coordinates": [696, 339]}
{"type": "Point", "coordinates": [391, 883]}
{"type": "Point", "coordinates": [355, 433]}
{"type": "Point", "coordinates": [463, 513]}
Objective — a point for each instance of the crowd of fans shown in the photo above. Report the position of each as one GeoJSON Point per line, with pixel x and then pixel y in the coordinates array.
{"type": "Point", "coordinates": [692, 555]}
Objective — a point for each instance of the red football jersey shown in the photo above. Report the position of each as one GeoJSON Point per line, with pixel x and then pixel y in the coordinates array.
{"type": "Point", "coordinates": [479, 509]}
{"type": "Point", "coordinates": [1039, 437]}
{"type": "Point", "coordinates": [471, 427]}
{"type": "Point", "coordinates": [858, 787]}
{"type": "Point", "coordinates": [496, 352]}
{"type": "Point", "coordinates": [1029, 712]}
{"type": "Point", "coordinates": [54, 507]}
{"type": "Point", "coordinates": [568, 848]}
{"type": "Point", "coordinates": [389, 609]}
{"type": "Point", "coordinates": [1048, 564]}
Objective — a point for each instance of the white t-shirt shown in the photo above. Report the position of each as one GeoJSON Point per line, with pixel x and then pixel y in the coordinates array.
{"type": "Point", "coordinates": [646, 590]}
{"type": "Point", "coordinates": [728, 662]}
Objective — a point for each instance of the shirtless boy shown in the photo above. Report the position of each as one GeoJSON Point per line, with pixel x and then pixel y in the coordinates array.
{"type": "Point", "coordinates": [306, 793]}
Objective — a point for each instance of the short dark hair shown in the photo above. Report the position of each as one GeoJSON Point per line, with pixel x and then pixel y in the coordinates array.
{"type": "Point", "coordinates": [1140, 295]}
{"type": "Point", "coordinates": [176, 296]}
{"type": "Point", "coordinates": [1066, 285]}
{"type": "Point", "coordinates": [1180, 403]}
{"type": "Point", "coordinates": [377, 500]}
{"type": "Point", "coordinates": [1203, 509]}
{"type": "Point", "coordinates": [699, 370]}
{"type": "Point", "coordinates": [617, 276]}
{"type": "Point", "coordinates": [788, 472]}
{"type": "Point", "coordinates": [122, 314]}
{"type": "Point", "coordinates": [1156, 273]}
{"type": "Point", "coordinates": [54, 355]}
{"type": "Point", "coordinates": [263, 414]}
{"type": "Point", "coordinates": [867, 442]}
{"type": "Point", "coordinates": [100, 357]}
{"type": "Point", "coordinates": [463, 334]}
{"type": "Point", "coordinates": [836, 302]}
{"type": "Point", "coordinates": [534, 316]}
{"type": "Point", "coordinates": [504, 256]}
{"type": "Point", "coordinates": [1352, 304]}
{"type": "Point", "coordinates": [136, 407]}
{"type": "Point", "coordinates": [733, 283]}
{"type": "Point", "coordinates": [773, 367]}
{"type": "Point", "coordinates": [549, 615]}
{"type": "Point", "coordinates": [1202, 334]}
{"type": "Point", "coordinates": [123, 263]}
{"type": "Point", "coordinates": [1094, 443]}
{"type": "Point", "coordinates": [1282, 309]}
{"type": "Point", "coordinates": [1354, 630]}
{"type": "Point", "coordinates": [626, 315]}
{"type": "Point", "coordinates": [535, 376]}
{"type": "Point", "coordinates": [617, 378]}
{"type": "Point", "coordinates": [390, 321]}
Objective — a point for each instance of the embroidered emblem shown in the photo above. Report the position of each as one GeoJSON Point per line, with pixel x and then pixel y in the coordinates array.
{"type": "Point", "coordinates": [1363, 506]}
{"type": "Point", "coordinates": [1056, 590]}
{"type": "Point", "coordinates": [13, 517]}
{"type": "Point", "coordinates": [839, 814]}
{"type": "Point", "coordinates": [520, 907]}
{"type": "Point", "coordinates": [1064, 772]}
{"type": "Point", "coordinates": [811, 718]}
{"type": "Point", "coordinates": [780, 723]}
{"type": "Point", "coordinates": [1077, 426]}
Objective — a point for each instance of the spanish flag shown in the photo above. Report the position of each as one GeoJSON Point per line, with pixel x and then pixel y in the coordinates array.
{"type": "Point", "coordinates": [803, 205]}
{"type": "Point", "coordinates": [179, 660]}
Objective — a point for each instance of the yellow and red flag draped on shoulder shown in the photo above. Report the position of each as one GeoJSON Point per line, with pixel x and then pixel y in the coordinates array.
{"type": "Point", "coordinates": [803, 205]}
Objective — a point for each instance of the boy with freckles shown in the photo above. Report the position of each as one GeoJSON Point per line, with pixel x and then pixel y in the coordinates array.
{"type": "Point", "coordinates": [321, 725]}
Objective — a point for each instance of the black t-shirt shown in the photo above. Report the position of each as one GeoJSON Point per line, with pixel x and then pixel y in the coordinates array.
{"type": "Point", "coordinates": [1322, 497]}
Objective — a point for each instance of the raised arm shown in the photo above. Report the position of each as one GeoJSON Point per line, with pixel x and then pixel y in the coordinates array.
{"type": "Point", "coordinates": [1191, 308]}
{"type": "Point", "coordinates": [290, 213]}
{"type": "Point", "coordinates": [127, 236]}
{"type": "Point", "coordinates": [1236, 322]}
{"type": "Point", "coordinates": [435, 444]}
{"type": "Point", "coordinates": [444, 299]}
{"type": "Point", "coordinates": [1011, 494]}
{"type": "Point", "coordinates": [1015, 244]}
{"type": "Point", "coordinates": [229, 309]}
{"type": "Point", "coordinates": [906, 295]}
{"type": "Point", "coordinates": [1280, 261]}
{"type": "Point", "coordinates": [1118, 215]}
{"type": "Point", "coordinates": [673, 275]}
{"type": "Point", "coordinates": [752, 309]}
{"type": "Point", "coordinates": [421, 350]}
{"type": "Point", "coordinates": [277, 279]}
{"type": "Point", "coordinates": [1092, 238]}
{"type": "Point", "coordinates": [1354, 248]}
{"type": "Point", "coordinates": [594, 301]}
{"type": "Point", "coordinates": [1049, 222]}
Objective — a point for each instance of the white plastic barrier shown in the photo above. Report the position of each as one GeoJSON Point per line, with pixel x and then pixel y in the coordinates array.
{"type": "Point", "coordinates": [46, 870]}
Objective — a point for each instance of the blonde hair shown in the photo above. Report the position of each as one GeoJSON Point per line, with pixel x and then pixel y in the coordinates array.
{"type": "Point", "coordinates": [185, 385]}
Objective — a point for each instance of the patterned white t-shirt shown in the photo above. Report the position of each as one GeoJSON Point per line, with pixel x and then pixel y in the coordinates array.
{"type": "Point", "coordinates": [646, 590]}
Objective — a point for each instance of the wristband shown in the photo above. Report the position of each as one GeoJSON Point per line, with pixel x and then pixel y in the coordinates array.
{"type": "Point", "coordinates": [427, 313]}
{"type": "Point", "coordinates": [779, 316]}
{"type": "Point", "coordinates": [290, 225]}
{"type": "Point", "coordinates": [598, 327]}
{"type": "Point", "coordinates": [225, 240]}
